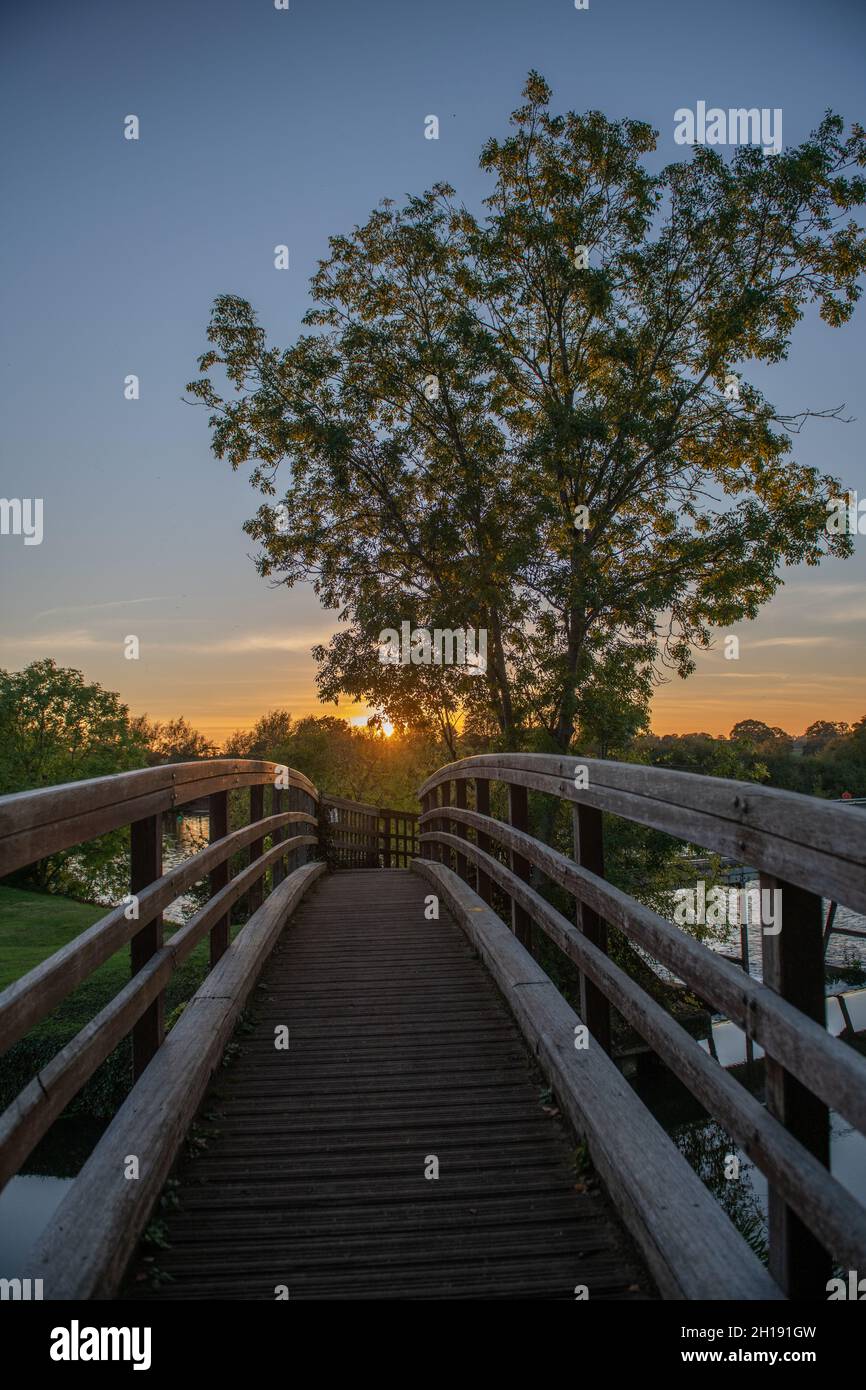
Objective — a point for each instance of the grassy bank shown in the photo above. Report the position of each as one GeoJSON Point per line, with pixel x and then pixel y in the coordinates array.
{"type": "Point", "coordinates": [32, 927]}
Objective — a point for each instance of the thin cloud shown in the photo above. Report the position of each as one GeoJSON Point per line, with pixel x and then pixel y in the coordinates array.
{"type": "Point", "coordinates": [91, 607]}
{"type": "Point", "coordinates": [790, 642]}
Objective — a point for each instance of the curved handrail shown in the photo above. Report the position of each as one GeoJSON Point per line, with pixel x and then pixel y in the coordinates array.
{"type": "Point", "coordinates": [805, 847]}
{"type": "Point", "coordinates": [836, 1073]}
{"type": "Point", "coordinates": [41, 822]}
{"type": "Point", "coordinates": [30, 998]}
{"type": "Point", "coordinates": [39, 1104]}
{"type": "Point", "coordinates": [34, 824]}
{"type": "Point", "coordinates": [803, 839]}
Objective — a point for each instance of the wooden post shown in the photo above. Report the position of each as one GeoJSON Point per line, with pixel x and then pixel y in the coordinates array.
{"type": "Point", "coordinates": [257, 811]}
{"type": "Point", "coordinates": [518, 815]}
{"type": "Point", "coordinates": [794, 967]}
{"type": "Point", "coordinates": [589, 853]}
{"type": "Point", "coordinates": [460, 827]}
{"type": "Point", "coordinates": [146, 866]}
{"type": "Point", "coordinates": [310, 805]}
{"type": "Point", "coordinates": [293, 803]}
{"type": "Point", "coordinates": [219, 826]}
{"type": "Point", "coordinates": [445, 823]}
{"type": "Point", "coordinates": [387, 840]}
{"type": "Point", "coordinates": [482, 806]}
{"type": "Point", "coordinates": [277, 871]}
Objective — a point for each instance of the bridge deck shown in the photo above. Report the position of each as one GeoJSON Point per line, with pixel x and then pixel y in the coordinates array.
{"type": "Point", "coordinates": [314, 1175]}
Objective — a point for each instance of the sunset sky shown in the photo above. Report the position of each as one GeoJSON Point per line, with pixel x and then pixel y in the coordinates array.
{"type": "Point", "coordinates": [261, 127]}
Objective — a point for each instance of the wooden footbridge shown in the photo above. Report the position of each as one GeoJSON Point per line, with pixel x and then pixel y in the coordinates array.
{"type": "Point", "coordinates": [377, 1091]}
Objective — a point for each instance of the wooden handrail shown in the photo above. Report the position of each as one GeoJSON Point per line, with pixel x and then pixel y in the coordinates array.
{"type": "Point", "coordinates": [804, 846]}
{"type": "Point", "coordinates": [29, 999]}
{"type": "Point", "coordinates": [34, 824]}
{"type": "Point", "coordinates": [821, 1062]}
{"type": "Point", "coordinates": [37, 823]}
{"type": "Point", "coordinates": [824, 1204]}
{"type": "Point", "coordinates": [36, 1107]}
{"type": "Point", "coordinates": [84, 1249]}
{"type": "Point", "coordinates": [816, 844]}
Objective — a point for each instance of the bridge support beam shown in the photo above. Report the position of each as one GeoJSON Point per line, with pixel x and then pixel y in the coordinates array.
{"type": "Point", "coordinates": [218, 805]}
{"type": "Point", "coordinates": [145, 868]}
{"type": "Point", "coordinates": [793, 960]}
{"type": "Point", "coordinates": [589, 853]}
{"type": "Point", "coordinates": [518, 815]}
{"type": "Point", "coordinates": [482, 806]}
{"type": "Point", "coordinates": [278, 871]}
{"type": "Point", "coordinates": [459, 828]}
{"type": "Point", "coordinates": [257, 811]}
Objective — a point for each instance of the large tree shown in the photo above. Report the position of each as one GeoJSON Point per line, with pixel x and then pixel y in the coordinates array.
{"type": "Point", "coordinates": [472, 383]}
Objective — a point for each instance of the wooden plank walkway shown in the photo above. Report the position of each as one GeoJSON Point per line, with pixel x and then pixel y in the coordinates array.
{"type": "Point", "coordinates": [400, 1049]}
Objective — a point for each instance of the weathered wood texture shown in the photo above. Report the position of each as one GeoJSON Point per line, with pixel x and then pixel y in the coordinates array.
{"type": "Point", "coordinates": [401, 1049]}
{"type": "Point", "coordinates": [827, 1207]}
{"type": "Point", "coordinates": [25, 1121]}
{"type": "Point", "coordinates": [36, 823]}
{"type": "Point", "coordinates": [31, 998]}
{"type": "Point", "coordinates": [87, 1243]}
{"type": "Point", "coordinates": [692, 1249]}
{"type": "Point", "coordinates": [833, 1071]}
{"type": "Point", "coordinates": [359, 836]}
{"type": "Point", "coordinates": [816, 844]}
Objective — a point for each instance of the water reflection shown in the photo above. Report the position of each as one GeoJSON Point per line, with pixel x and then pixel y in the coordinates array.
{"type": "Point", "coordinates": [27, 1203]}
{"type": "Point", "coordinates": [182, 836]}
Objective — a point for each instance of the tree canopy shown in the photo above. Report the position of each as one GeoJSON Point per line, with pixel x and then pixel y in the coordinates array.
{"type": "Point", "coordinates": [474, 381]}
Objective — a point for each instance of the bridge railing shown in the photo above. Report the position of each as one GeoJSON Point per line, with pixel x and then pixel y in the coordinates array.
{"type": "Point", "coordinates": [356, 835]}
{"type": "Point", "coordinates": [805, 847]}
{"type": "Point", "coordinates": [35, 824]}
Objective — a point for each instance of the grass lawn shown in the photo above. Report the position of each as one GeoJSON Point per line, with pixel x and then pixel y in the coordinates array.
{"type": "Point", "coordinates": [32, 927]}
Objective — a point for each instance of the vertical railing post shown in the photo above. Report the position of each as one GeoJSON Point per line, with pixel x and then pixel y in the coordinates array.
{"type": "Point", "coordinates": [793, 961]}
{"type": "Point", "coordinates": [257, 811]}
{"type": "Point", "coordinates": [518, 815]}
{"type": "Point", "coordinates": [426, 803]}
{"type": "Point", "coordinates": [460, 826]}
{"type": "Point", "coordinates": [218, 806]}
{"type": "Point", "coordinates": [589, 853]}
{"type": "Point", "coordinates": [293, 857]}
{"type": "Point", "coordinates": [445, 823]}
{"type": "Point", "coordinates": [277, 874]}
{"type": "Point", "coordinates": [145, 867]}
{"type": "Point", "coordinates": [387, 840]}
{"type": "Point", "coordinates": [482, 806]}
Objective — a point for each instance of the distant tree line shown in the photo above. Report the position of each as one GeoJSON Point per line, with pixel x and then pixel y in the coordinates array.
{"type": "Point", "coordinates": [56, 727]}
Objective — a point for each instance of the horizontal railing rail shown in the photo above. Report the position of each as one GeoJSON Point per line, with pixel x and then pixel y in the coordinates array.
{"type": "Point", "coordinates": [34, 824]}
{"type": "Point", "coordinates": [46, 821]}
{"type": "Point", "coordinates": [805, 848]}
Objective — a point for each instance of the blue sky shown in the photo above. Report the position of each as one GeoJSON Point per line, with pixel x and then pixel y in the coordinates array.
{"type": "Point", "coordinates": [261, 127]}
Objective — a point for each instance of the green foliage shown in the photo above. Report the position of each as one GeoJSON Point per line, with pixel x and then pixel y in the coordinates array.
{"type": "Point", "coordinates": [54, 728]}
{"type": "Point", "coordinates": [176, 741]}
{"type": "Point", "coordinates": [556, 387]}
{"type": "Point", "coordinates": [359, 763]}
